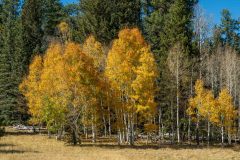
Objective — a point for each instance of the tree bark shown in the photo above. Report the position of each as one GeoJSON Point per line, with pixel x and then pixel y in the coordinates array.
{"type": "Point", "coordinates": [178, 134]}
{"type": "Point", "coordinates": [222, 138]}
{"type": "Point", "coordinates": [160, 115]}
{"type": "Point", "coordinates": [74, 137]}
{"type": "Point", "coordinates": [208, 133]}
{"type": "Point", "coordinates": [172, 115]}
{"type": "Point", "coordinates": [197, 136]}
{"type": "Point", "coordinates": [189, 130]}
{"type": "Point", "coordinates": [109, 121]}
{"type": "Point", "coordinates": [105, 126]}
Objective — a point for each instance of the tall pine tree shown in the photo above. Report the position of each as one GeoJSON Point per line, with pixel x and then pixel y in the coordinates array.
{"type": "Point", "coordinates": [9, 63]}
{"type": "Point", "coordinates": [104, 19]}
{"type": "Point", "coordinates": [32, 17]}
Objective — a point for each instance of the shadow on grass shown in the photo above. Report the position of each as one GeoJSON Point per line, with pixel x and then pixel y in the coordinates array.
{"type": "Point", "coordinates": [106, 143]}
{"type": "Point", "coordinates": [11, 149]}
{"type": "Point", "coordinates": [19, 133]}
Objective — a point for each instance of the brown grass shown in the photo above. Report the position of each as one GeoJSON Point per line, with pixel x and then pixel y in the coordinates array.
{"type": "Point", "coordinates": [20, 145]}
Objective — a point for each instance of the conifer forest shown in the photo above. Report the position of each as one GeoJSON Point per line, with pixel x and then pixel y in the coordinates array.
{"type": "Point", "coordinates": [149, 69]}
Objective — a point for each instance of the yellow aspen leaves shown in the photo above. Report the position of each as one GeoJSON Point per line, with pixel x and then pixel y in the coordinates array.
{"type": "Point", "coordinates": [63, 26]}
{"type": "Point", "coordinates": [132, 68]}
{"type": "Point", "coordinates": [220, 111]}
{"type": "Point", "coordinates": [31, 89]}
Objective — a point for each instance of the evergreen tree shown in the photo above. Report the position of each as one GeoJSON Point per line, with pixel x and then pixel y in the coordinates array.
{"type": "Point", "coordinates": [236, 42]}
{"type": "Point", "coordinates": [2, 129]}
{"type": "Point", "coordinates": [32, 16]}
{"type": "Point", "coordinates": [52, 16]}
{"type": "Point", "coordinates": [104, 19]}
{"type": "Point", "coordinates": [170, 22]}
{"type": "Point", "coordinates": [228, 27]}
{"type": "Point", "coordinates": [8, 96]}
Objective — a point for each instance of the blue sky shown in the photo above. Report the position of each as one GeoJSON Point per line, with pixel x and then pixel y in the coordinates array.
{"type": "Point", "coordinates": [212, 6]}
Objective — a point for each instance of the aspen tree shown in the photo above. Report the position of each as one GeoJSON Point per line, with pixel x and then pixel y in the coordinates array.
{"type": "Point", "coordinates": [225, 114]}
{"type": "Point", "coordinates": [195, 104]}
{"type": "Point", "coordinates": [31, 90]}
{"type": "Point", "coordinates": [176, 66]}
{"type": "Point", "coordinates": [54, 89]}
{"type": "Point", "coordinates": [84, 85]}
{"type": "Point", "coordinates": [206, 110]}
{"type": "Point", "coordinates": [125, 68]}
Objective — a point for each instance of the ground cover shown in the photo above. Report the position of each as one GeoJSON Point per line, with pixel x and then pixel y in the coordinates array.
{"type": "Point", "coordinates": [26, 145]}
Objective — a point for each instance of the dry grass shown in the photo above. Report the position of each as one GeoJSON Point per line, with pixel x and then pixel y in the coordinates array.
{"type": "Point", "coordinates": [17, 145]}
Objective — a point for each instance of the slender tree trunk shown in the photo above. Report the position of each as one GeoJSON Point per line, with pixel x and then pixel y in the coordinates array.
{"type": "Point", "coordinates": [147, 139]}
{"type": "Point", "coordinates": [93, 130]}
{"type": "Point", "coordinates": [222, 138]}
{"type": "Point", "coordinates": [160, 115]}
{"type": "Point", "coordinates": [105, 126]}
{"type": "Point", "coordinates": [125, 130]}
{"type": "Point", "coordinates": [74, 137]}
{"type": "Point", "coordinates": [189, 130]}
{"type": "Point", "coordinates": [86, 132]}
{"type": "Point", "coordinates": [84, 128]}
{"type": "Point", "coordinates": [178, 134]}
{"type": "Point", "coordinates": [109, 121]}
{"type": "Point", "coordinates": [184, 124]}
{"type": "Point", "coordinates": [119, 137]}
{"type": "Point", "coordinates": [39, 127]}
{"type": "Point", "coordinates": [197, 136]}
{"type": "Point", "coordinates": [49, 133]}
{"type": "Point", "coordinates": [208, 133]}
{"type": "Point", "coordinates": [172, 114]}
{"type": "Point", "coordinates": [132, 129]}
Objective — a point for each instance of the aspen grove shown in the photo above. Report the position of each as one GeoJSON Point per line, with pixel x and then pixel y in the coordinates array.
{"type": "Point", "coordinates": [74, 87]}
{"type": "Point", "coordinates": [159, 70]}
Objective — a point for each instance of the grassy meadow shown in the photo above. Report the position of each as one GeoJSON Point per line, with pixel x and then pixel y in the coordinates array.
{"type": "Point", "coordinates": [25, 145]}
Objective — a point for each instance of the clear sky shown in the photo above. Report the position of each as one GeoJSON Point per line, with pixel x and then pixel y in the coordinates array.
{"type": "Point", "coordinates": [212, 6]}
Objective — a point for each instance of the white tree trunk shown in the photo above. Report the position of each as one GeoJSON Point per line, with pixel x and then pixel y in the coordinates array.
{"type": "Point", "coordinates": [147, 139]}
{"type": "Point", "coordinates": [93, 131]}
{"type": "Point", "coordinates": [208, 133]}
{"type": "Point", "coordinates": [109, 121]}
{"type": "Point", "coordinates": [197, 136]}
{"type": "Point", "coordinates": [160, 115]}
{"type": "Point", "coordinates": [222, 138]}
{"type": "Point", "coordinates": [189, 130]}
{"type": "Point", "coordinates": [178, 134]}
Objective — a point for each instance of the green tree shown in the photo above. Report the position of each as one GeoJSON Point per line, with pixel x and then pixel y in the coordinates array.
{"type": "Point", "coordinates": [170, 21]}
{"type": "Point", "coordinates": [104, 19]}
{"type": "Point", "coordinates": [11, 69]}
{"type": "Point", "coordinates": [2, 129]}
{"type": "Point", "coordinates": [53, 16]}
{"type": "Point", "coordinates": [32, 16]}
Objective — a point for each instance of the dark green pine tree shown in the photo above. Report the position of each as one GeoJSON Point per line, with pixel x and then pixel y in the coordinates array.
{"type": "Point", "coordinates": [19, 68]}
{"type": "Point", "coordinates": [236, 42]}
{"type": "Point", "coordinates": [170, 21]}
{"type": "Point", "coordinates": [155, 22]}
{"type": "Point", "coordinates": [97, 18]}
{"type": "Point", "coordinates": [129, 13]}
{"type": "Point", "coordinates": [53, 16]}
{"type": "Point", "coordinates": [32, 17]}
{"type": "Point", "coordinates": [104, 19]}
{"type": "Point", "coordinates": [8, 97]}
{"type": "Point", "coordinates": [228, 26]}
{"type": "Point", "coordinates": [2, 129]}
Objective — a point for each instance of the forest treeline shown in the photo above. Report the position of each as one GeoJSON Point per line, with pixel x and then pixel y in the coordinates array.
{"type": "Point", "coordinates": [121, 67]}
